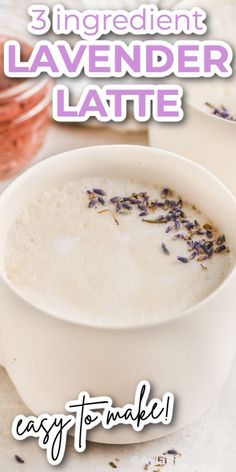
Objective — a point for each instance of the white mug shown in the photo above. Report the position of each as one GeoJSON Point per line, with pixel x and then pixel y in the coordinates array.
{"type": "Point", "coordinates": [202, 137]}
{"type": "Point", "coordinates": [50, 359]}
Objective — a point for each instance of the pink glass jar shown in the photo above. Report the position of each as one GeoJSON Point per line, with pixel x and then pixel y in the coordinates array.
{"type": "Point", "coordinates": [25, 105]}
{"type": "Point", "coordinates": [24, 119]}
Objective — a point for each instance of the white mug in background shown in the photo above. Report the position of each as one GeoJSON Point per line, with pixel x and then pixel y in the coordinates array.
{"type": "Point", "coordinates": [50, 359]}
{"type": "Point", "coordinates": [202, 137]}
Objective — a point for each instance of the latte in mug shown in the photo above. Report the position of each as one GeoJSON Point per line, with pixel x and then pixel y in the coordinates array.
{"type": "Point", "coordinates": [113, 252]}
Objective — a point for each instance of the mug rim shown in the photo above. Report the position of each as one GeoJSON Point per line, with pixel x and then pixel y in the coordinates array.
{"type": "Point", "coordinates": [131, 327]}
{"type": "Point", "coordinates": [209, 115]}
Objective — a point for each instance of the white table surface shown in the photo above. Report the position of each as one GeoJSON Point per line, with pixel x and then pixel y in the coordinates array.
{"type": "Point", "coordinates": [208, 445]}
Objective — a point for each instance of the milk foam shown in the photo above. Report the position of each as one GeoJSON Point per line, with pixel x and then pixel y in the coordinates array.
{"type": "Point", "coordinates": [77, 263]}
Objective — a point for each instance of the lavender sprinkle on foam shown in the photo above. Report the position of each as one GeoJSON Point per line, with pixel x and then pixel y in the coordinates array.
{"type": "Point", "coordinates": [200, 249]}
{"type": "Point", "coordinates": [165, 249]}
{"type": "Point", "coordinates": [99, 191]}
{"type": "Point", "coordinates": [184, 260]}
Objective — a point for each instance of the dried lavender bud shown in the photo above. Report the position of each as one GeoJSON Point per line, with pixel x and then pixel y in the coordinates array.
{"type": "Point", "coordinates": [127, 206]}
{"type": "Point", "coordinates": [172, 452]}
{"type": "Point", "coordinates": [219, 249]}
{"type": "Point", "coordinates": [209, 234]}
{"type": "Point", "coordinates": [142, 207]}
{"type": "Point", "coordinates": [165, 249]}
{"type": "Point", "coordinates": [93, 202]}
{"type": "Point", "coordinates": [112, 465]}
{"type": "Point", "coordinates": [197, 246]}
{"type": "Point", "coordinates": [146, 199]}
{"type": "Point", "coordinates": [224, 112]}
{"type": "Point", "coordinates": [200, 232]}
{"type": "Point", "coordinates": [134, 201]}
{"type": "Point", "coordinates": [209, 244]}
{"type": "Point", "coordinates": [115, 199]}
{"type": "Point", "coordinates": [89, 192]}
{"type": "Point", "coordinates": [206, 249]}
{"type": "Point", "coordinates": [165, 192]}
{"type": "Point", "coordinates": [177, 224]}
{"type": "Point", "coordinates": [101, 200]}
{"type": "Point", "coordinates": [193, 255]}
{"type": "Point", "coordinates": [169, 228]}
{"type": "Point", "coordinates": [220, 240]}
{"type": "Point", "coordinates": [99, 191]}
{"type": "Point", "coordinates": [19, 459]}
{"type": "Point", "coordinates": [210, 252]}
{"type": "Point", "coordinates": [189, 225]}
{"type": "Point", "coordinates": [118, 207]}
{"type": "Point", "coordinates": [202, 258]}
{"type": "Point", "coordinates": [125, 199]}
{"type": "Point", "coordinates": [184, 260]}
{"type": "Point", "coordinates": [169, 216]}
{"type": "Point", "coordinates": [179, 236]}
{"type": "Point", "coordinates": [166, 205]}
{"type": "Point", "coordinates": [179, 213]}
{"type": "Point", "coordinates": [143, 213]}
